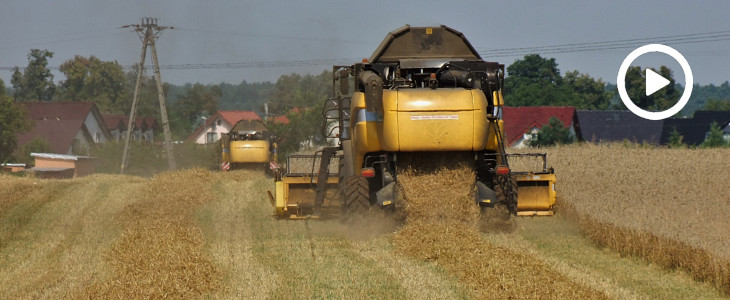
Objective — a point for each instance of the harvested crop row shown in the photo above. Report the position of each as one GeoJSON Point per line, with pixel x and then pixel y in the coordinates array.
{"type": "Point", "coordinates": [442, 226]}
{"type": "Point", "coordinates": [53, 233]}
{"type": "Point", "coordinates": [162, 253]}
{"type": "Point", "coordinates": [13, 190]}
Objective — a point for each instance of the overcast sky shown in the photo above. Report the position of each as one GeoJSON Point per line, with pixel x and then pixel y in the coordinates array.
{"type": "Point", "coordinates": [318, 33]}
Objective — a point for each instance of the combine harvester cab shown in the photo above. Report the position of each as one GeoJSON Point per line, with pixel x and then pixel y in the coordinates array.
{"type": "Point", "coordinates": [301, 192]}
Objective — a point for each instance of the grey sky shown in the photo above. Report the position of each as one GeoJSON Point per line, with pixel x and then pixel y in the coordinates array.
{"type": "Point", "coordinates": [216, 32]}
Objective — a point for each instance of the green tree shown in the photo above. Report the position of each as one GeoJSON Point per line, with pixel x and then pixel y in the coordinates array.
{"type": "Point", "coordinates": [296, 91]}
{"type": "Point", "coordinates": [36, 145]}
{"type": "Point", "coordinates": [198, 101]}
{"type": "Point", "coordinates": [717, 105]}
{"type": "Point", "coordinates": [301, 98]}
{"type": "Point", "coordinates": [589, 93]}
{"type": "Point", "coordinates": [245, 95]}
{"type": "Point", "coordinates": [661, 100]}
{"type": "Point", "coordinates": [534, 81]}
{"type": "Point", "coordinates": [90, 79]}
{"type": "Point", "coordinates": [714, 137]}
{"type": "Point", "coordinates": [675, 139]}
{"type": "Point", "coordinates": [36, 81]}
{"type": "Point", "coordinates": [701, 94]}
{"type": "Point", "coordinates": [148, 105]}
{"type": "Point", "coordinates": [14, 120]}
{"type": "Point", "coordinates": [551, 134]}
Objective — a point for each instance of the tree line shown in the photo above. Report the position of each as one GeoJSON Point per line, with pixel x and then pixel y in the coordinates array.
{"type": "Point", "coordinates": [531, 81]}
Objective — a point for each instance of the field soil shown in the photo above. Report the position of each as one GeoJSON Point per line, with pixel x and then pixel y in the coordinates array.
{"type": "Point", "coordinates": [201, 234]}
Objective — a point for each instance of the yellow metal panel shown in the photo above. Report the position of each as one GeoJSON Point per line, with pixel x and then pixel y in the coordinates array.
{"type": "Point", "coordinates": [497, 98]}
{"type": "Point", "coordinates": [390, 121]}
{"type": "Point", "coordinates": [436, 131]}
{"type": "Point", "coordinates": [225, 153]}
{"type": "Point", "coordinates": [249, 151]}
{"type": "Point", "coordinates": [481, 124]}
{"type": "Point", "coordinates": [536, 192]}
{"type": "Point", "coordinates": [436, 120]}
{"type": "Point", "coordinates": [281, 198]}
{"type": "Point", "coordinates": [492, 136]}
{"type": "Point", "coordinates": [365, 134]}
{"type": "Point", "coordinates": [365, 139]}
{"type": "Point", "coordinates": [435, 99]}
{"type": "Point", "coordinates": [421, 120]}
{"type": "Point", "coordinates": [293, 192]}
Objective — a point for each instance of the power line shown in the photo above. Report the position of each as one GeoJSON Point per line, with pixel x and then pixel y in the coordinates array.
{"type": "Point", "coordinates": [609, 45]}
{"type": "Point", "coordinates": [236, 65]}
{"type": "Point", "coordinates": [260, 64]}
{"type": "Point", "coordinates": [59, 39]}
{"type": "Point", "coordinates": [488, 53]}
{"type": "Point", "coordinates": [282, 37]}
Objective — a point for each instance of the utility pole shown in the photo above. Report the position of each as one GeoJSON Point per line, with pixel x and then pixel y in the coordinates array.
{"type": "Point", "coordinates": [148, 32]}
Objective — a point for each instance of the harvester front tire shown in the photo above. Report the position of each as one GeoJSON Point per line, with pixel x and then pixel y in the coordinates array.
{"type": "Point", "coordinates": [356, 198]}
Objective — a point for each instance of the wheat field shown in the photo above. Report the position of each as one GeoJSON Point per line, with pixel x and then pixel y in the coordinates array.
{"type": "Point", "coordinates": [201, 234]}
{"type": "Point", "coordinates": [668, 205]}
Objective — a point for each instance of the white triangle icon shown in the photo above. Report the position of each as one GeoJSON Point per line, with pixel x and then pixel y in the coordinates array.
{"type": "Point", "coordinates": [654, 82]}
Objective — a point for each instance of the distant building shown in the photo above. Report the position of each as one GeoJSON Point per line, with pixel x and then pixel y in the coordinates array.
{"type": "Point", "coordinates": [12, 168]}
{"type": "Point", "coordinates": [51, 165]}
{"type": "Point", "coordinates": [144, 127]}
{"type": "Point", "coordinates": [695, 130]}
{"type": "Point", "coordinates": [69, 127]}
{"type": "Point", "coordinates": [221, 123]}
{"type": "Point", "coordinates": [117, 124]}
{"type": "Point", "coordinates": [617, 125]}
{"type": "Point", "coordinates": [522, 123]}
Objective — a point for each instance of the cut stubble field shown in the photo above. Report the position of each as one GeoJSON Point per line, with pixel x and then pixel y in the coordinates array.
{"type": "Point", "coordinates": [201, 234]}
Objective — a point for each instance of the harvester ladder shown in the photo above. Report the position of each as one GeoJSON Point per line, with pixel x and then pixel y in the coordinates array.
{"type": "Point", "coordinates": [321, 189]}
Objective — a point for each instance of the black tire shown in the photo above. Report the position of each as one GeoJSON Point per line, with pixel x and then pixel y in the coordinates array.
{"type": "Point", "coordinates": [356, 198]}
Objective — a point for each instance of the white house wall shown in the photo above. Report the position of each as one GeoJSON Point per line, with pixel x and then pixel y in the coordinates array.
{"type": "Point", "coordinates": [95, 129]}
{"type": "Point", "coordinates": [218, 129]}
{"type": "Point", "coordinates": [524, 141]}
{"type": "Point", "coordinates": [83, 143]}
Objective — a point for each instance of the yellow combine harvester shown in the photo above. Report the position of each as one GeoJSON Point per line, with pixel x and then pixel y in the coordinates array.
{"type": "Point", "coordinates": [248, 143]}
{"type": "Point", "coordinates": [425, 91]}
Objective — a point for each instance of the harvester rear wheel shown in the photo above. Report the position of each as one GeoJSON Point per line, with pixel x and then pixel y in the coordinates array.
{"type": "Point", "coordinates": [356, 197]}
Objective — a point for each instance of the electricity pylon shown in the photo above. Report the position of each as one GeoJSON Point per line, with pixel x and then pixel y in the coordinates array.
{"type": "Point", "coordinates": [148, 32]}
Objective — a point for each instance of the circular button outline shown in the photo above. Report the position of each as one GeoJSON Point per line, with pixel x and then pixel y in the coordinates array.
{"type": "Point", "coordinates": [621, 81]}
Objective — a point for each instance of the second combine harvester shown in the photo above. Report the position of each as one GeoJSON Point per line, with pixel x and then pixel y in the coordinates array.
{"type": "Point", "coordinates": [425, 92]}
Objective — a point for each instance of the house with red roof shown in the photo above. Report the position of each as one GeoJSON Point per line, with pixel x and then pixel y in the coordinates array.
{"type": "Point", "coordinates": [521, 123]}
{"type": "Point", "coordinates": [69, 127]}
{"type": "Point", "coordinates": [116, 124]}
{"type": "Point", "coordinates": [220, 123]}
{"type": "Point", "coordinates": [144, 127]}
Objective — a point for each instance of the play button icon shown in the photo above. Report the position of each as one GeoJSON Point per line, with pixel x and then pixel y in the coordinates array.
{"type": "Point", "coordinates": [654, 82]}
